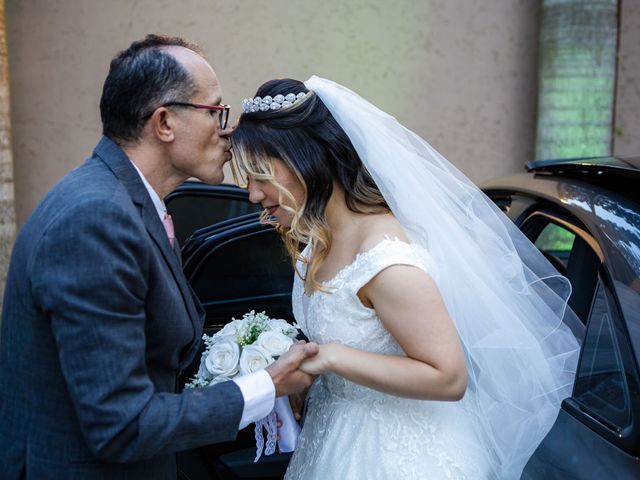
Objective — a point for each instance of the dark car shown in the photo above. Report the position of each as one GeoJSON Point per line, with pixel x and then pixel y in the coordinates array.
{"type": "Point", "coordinates": [583, 215]}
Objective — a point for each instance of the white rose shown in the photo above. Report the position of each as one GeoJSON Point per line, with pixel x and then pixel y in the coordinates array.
{"type": "Point", "coordinates": [274, 342]}
{"type": "Point", "coordinates": [254, 358]}
{"type": "Point", "coordinates": [280, 325]}
{"type": "Point", "coordinates": [222, 359]}
{"type": "Point", "coordinates": [230, 329]}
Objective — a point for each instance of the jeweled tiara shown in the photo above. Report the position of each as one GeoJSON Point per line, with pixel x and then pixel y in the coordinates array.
{"type": "Point", "coordinates": [250, 105]}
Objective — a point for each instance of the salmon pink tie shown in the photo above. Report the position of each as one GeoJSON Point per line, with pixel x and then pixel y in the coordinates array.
{"type": "Point", "coordinates": [168, 226]}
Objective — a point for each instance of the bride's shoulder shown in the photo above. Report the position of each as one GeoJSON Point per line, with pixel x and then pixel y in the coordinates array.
{"type": "Point", "coordinates": [378, 228]}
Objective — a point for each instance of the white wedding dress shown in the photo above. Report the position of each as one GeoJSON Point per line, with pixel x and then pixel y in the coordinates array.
{"type": "Point", "coordinates": [354, 432]}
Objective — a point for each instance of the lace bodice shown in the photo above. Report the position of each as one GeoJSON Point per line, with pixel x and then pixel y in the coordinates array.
{"type": "Point", "coordinates": [340, 316]}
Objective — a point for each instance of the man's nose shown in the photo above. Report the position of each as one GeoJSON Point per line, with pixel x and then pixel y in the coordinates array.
{"type": "Point", "coordinates": [225, 132]}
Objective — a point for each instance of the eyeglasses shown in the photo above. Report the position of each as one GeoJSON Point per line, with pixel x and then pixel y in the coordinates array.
{"type": "Point", "coordinates": [222, 109]}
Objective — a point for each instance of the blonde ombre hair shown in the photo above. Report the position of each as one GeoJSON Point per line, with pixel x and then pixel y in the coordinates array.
{"type": "Point", "coordinates": [311, 144]}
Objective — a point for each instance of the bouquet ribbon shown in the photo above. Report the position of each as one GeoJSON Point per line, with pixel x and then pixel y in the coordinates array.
{"type": "Point", "coordinates": [288, 432]}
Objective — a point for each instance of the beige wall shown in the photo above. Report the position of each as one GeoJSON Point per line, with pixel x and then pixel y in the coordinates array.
{"type": "Point", "coordinates": [460, 73]}
{"type": "Point", "coordinates": [626, 140]}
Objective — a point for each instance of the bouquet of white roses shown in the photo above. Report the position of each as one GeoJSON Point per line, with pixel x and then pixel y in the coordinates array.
{"type": "Point", "coordinates": [246, 346]}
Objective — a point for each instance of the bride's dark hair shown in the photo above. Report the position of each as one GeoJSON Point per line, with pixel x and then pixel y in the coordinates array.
{"type": "Point", "coordinates": [316, 149]}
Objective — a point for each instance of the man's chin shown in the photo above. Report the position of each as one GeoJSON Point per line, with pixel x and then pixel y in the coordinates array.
{"type": "Point", "coordinates": [211, 178]}
{"type": "Point", "coordinates": [215, 179]}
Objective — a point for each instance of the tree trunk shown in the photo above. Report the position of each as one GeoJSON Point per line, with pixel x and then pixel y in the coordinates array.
{"type": "Point", "coordinates": [577, 75]}
{"type": "Point", "coordinates": [7, 205]}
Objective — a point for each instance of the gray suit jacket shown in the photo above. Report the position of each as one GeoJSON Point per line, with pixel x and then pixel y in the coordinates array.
{"type": "Point", "coordinates": [98, 321]}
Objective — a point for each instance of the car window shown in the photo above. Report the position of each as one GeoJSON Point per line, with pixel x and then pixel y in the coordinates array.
{"type": "Point", "coordinates": [601, 386]}
{"type": "Point", "coordinates": [557, 242]}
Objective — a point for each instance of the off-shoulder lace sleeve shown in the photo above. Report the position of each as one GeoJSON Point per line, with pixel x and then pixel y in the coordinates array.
{"type": "Point", "coordinates": [383, 255]}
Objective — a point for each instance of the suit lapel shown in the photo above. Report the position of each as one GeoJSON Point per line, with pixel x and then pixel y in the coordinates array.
{"type": "Point", "coordinates": [121, 166]}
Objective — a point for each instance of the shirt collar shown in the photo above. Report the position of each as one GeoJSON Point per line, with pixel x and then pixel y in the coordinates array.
{"type": "Point", "coordinates": [155, 198]}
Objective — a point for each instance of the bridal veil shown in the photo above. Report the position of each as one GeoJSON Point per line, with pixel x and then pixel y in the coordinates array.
{"type": "Point", "coordinates": [508, 303]}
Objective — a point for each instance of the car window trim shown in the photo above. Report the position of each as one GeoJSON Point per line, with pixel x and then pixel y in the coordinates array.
{"type": "Point", "coordinates": [572, 227]}
{"type": "Point", "coordinates": [591, 418]}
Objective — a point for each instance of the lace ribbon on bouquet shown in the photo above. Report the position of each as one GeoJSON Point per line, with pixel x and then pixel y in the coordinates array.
{"type": "Point", "coordinates": [288, 432]}
{"type": "Point", "coordinates": [269, 424]}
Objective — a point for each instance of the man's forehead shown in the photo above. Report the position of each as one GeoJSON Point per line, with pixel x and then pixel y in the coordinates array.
{"type": "Point", "coordinates": [189, 59]}
{"type": "Point", "coordinates": [202, 72]}
{"type": "Point", "coordinates": [181, 53]}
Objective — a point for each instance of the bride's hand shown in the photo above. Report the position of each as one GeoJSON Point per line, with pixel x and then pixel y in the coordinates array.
{"type": "Point", "coordinates": [320, 363]}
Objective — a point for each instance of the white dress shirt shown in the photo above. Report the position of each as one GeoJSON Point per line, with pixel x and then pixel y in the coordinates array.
{"type": "Point", "coordinates": [258, 390]}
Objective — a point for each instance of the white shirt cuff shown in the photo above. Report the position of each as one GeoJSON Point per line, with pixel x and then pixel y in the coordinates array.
{"type": "Point", "coordinates": [259, 395]}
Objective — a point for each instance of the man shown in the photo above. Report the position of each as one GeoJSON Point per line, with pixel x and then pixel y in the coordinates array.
{"type": "Point", "coordinates": [98, 318]}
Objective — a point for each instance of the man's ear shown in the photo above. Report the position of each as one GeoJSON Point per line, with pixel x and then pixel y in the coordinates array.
{"type": "Point", "coordinates": [161, 122]}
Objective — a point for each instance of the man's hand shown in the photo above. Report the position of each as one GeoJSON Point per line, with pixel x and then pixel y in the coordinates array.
{"type": "Point", "coordinates": [296, 400]}
{"type": "Point", "coordinates": [285, 372]}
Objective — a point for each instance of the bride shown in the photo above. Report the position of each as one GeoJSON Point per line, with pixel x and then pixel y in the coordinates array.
{"type": "Point", "coordinates": [444, 347]}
